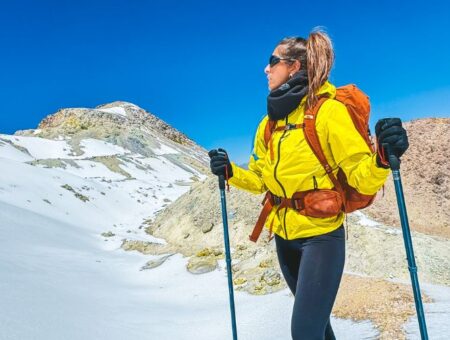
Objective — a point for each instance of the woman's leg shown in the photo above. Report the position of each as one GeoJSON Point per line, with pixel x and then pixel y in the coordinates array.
{"type": "Point", "coordinates": [289, 255]}
{"type": "Point", "coordinates": [320, 273]}
{"type": "Point", "coordinates": [329, 334]}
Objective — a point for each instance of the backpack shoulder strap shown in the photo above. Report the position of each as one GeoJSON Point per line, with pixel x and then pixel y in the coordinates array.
{"type": "Point", "coordinates": [358, 107]}
{"type": "Point", "coordinates": [312, 138]}
{"type": "Point", "coordinates": [268, 130]}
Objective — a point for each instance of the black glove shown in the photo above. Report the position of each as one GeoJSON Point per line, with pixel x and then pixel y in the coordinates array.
{"type": "Point", "coordinates": [391, 132]}
{"type": "Point", "coordinates": [220, 164]}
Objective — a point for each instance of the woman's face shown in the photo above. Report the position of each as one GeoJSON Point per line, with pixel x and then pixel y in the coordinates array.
{"type": "Point", "coordinates": [280, 71]}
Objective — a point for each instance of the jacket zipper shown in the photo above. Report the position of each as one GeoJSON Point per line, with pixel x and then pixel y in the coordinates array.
{"type": "Point", "coordinates": [279, 183]}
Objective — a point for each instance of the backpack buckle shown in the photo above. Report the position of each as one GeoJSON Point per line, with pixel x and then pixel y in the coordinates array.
{"type": "Point", "coordinates": [276, 200]}
{"type": "Point", "coordinates": [290, 126]}
{"type": "Point", "coordinates": [328, 168]}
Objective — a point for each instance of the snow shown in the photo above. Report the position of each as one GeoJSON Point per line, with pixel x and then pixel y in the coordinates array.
{"type": "Point", "coordinates": [165, 171]}
{"type": "Point", "coordinates": [91, 169]}
{"type": "Point", "coordinates": [95, 147]}
{"type": "Point", "coordinates": [365, 220]}
{"type": "Point", "coordinates": [164, 150]}
{"type": "Point", "coordinates": [437, 314]}
{"type": "Point", "coordinates": [61, 285]}
{"type": "Point", "coordinates": [40, 147]}
{"type": "Point", "coordinates": [115, 110]}
{"type": "Point", "coordinates": [10, 152]}
{"type": "Point", "coordinates": [368, 222]}
{"type": "Point", "coordinates": [62, 280]}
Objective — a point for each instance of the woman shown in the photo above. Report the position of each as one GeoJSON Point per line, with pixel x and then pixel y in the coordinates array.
{"type": "Point", "coordinates": [311, 250]}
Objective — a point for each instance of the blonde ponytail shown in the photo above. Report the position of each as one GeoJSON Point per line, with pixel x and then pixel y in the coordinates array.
{"type": "Point", "coordinates": [320, 58]}
{"type": "Point", "coordinates": [315, 54]}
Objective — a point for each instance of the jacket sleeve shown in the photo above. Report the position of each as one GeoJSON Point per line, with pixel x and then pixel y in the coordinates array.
{"type": "Point", "coordinates": [351, 152]}
{"type": "Point", "coordinates": [251, 179]}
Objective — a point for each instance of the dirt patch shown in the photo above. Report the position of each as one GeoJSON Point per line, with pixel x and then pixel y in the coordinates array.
{"type": "Point", "coordinates": [387, 304]}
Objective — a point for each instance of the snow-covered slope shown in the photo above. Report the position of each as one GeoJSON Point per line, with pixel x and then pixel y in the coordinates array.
{"type": "Point", "coordinates": [58, 283]}
{"type": "Point", "coordinates": [66, 204]}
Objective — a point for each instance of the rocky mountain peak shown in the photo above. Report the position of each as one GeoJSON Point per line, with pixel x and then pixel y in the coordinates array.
{"type": "Point", "coordinates": [122, 124]}
{"type": "Point", "coordinates": [106, 120]}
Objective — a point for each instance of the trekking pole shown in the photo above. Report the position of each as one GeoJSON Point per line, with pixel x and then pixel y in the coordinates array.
{"type": "Point", "coordinates": [395, 166]}
{"type": "Point", "coordinates": [228, 253]}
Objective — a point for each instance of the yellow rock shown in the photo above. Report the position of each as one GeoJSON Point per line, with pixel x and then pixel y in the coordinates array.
{"type": "Point", "coordinates": [259, 290]}
{"type": "Point", "coordinates": [204, 252]}
{"type": "Point", "coordinates": [240, 281]}
{"type": "Point", "coordinates": [266, 264]}
{"type": "Point", "coordinates": [218, 252]}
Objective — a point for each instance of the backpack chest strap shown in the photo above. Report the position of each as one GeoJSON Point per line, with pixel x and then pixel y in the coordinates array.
{"type": "Point", "coordinates": [288, 127]}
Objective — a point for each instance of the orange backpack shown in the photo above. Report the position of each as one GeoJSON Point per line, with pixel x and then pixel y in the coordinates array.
{"type": "Point", "coordinates": [316, 202]}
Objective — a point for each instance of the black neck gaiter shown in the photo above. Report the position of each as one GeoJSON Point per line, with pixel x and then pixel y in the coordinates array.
{"type": "Point", "coordinates": [285, 99]}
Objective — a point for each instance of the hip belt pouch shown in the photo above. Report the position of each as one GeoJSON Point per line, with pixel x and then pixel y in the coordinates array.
{"type": "Point", "coordinates": [322, 203]}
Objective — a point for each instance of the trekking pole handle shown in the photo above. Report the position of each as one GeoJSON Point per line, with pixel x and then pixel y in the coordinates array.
{"type": "Point", "coordinates": [394, 162]}
{"type": "Point", "coordinates": [221, 182]}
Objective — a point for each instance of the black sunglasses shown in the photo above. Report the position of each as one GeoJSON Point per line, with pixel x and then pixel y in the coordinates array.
{"type": "Point", "coordinates": [273, 60]}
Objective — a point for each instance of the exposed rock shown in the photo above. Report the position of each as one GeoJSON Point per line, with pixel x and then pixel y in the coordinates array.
{"type": "Point", "coordinates": [210, 252]}
{"type": "Point", "coordinates": [240, 281]}
{"type": "Point", "coordinates": [201, 265]}
{"type": "Point", "coordinates": [271, 277]}
{"type": "Point", "coordinates": [108, 234]}
{"type": "Point", "coordinates": [207, 228]}
{"type": "Point", "coordinates": [49, 163]}
{"type": "Point", "coordinates": [156, 262]}
{"type": "Point", "coordinates": [147, 248]}
{"type": "Point", "coordinates": [112, 163]}
{"type": "Point", "coordinates": [379, 251]}
{"type": "Point", "coordinates": [77, 194]}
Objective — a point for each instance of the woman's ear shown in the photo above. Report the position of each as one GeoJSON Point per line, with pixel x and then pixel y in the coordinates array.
{"type": "Point", "coordinates": [296, 66]}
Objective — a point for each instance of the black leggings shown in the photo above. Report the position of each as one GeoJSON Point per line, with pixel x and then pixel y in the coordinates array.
{"type": "Point", "coordinates": [312, 268]}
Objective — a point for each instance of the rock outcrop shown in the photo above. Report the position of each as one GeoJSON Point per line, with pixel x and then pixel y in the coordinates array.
{"type": "Point", "coordinates": [425, 171]}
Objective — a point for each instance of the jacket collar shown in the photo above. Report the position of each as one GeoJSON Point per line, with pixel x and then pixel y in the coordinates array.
{"type": "Point", "coordinates": [326, 89]}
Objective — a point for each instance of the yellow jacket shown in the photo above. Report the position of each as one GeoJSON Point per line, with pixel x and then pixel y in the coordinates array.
{"type": "Point", "coordinates": [294, 166]}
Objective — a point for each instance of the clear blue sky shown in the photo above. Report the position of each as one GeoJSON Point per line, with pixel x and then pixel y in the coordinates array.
{"type": "Point", "coordinates": [199, 65]}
